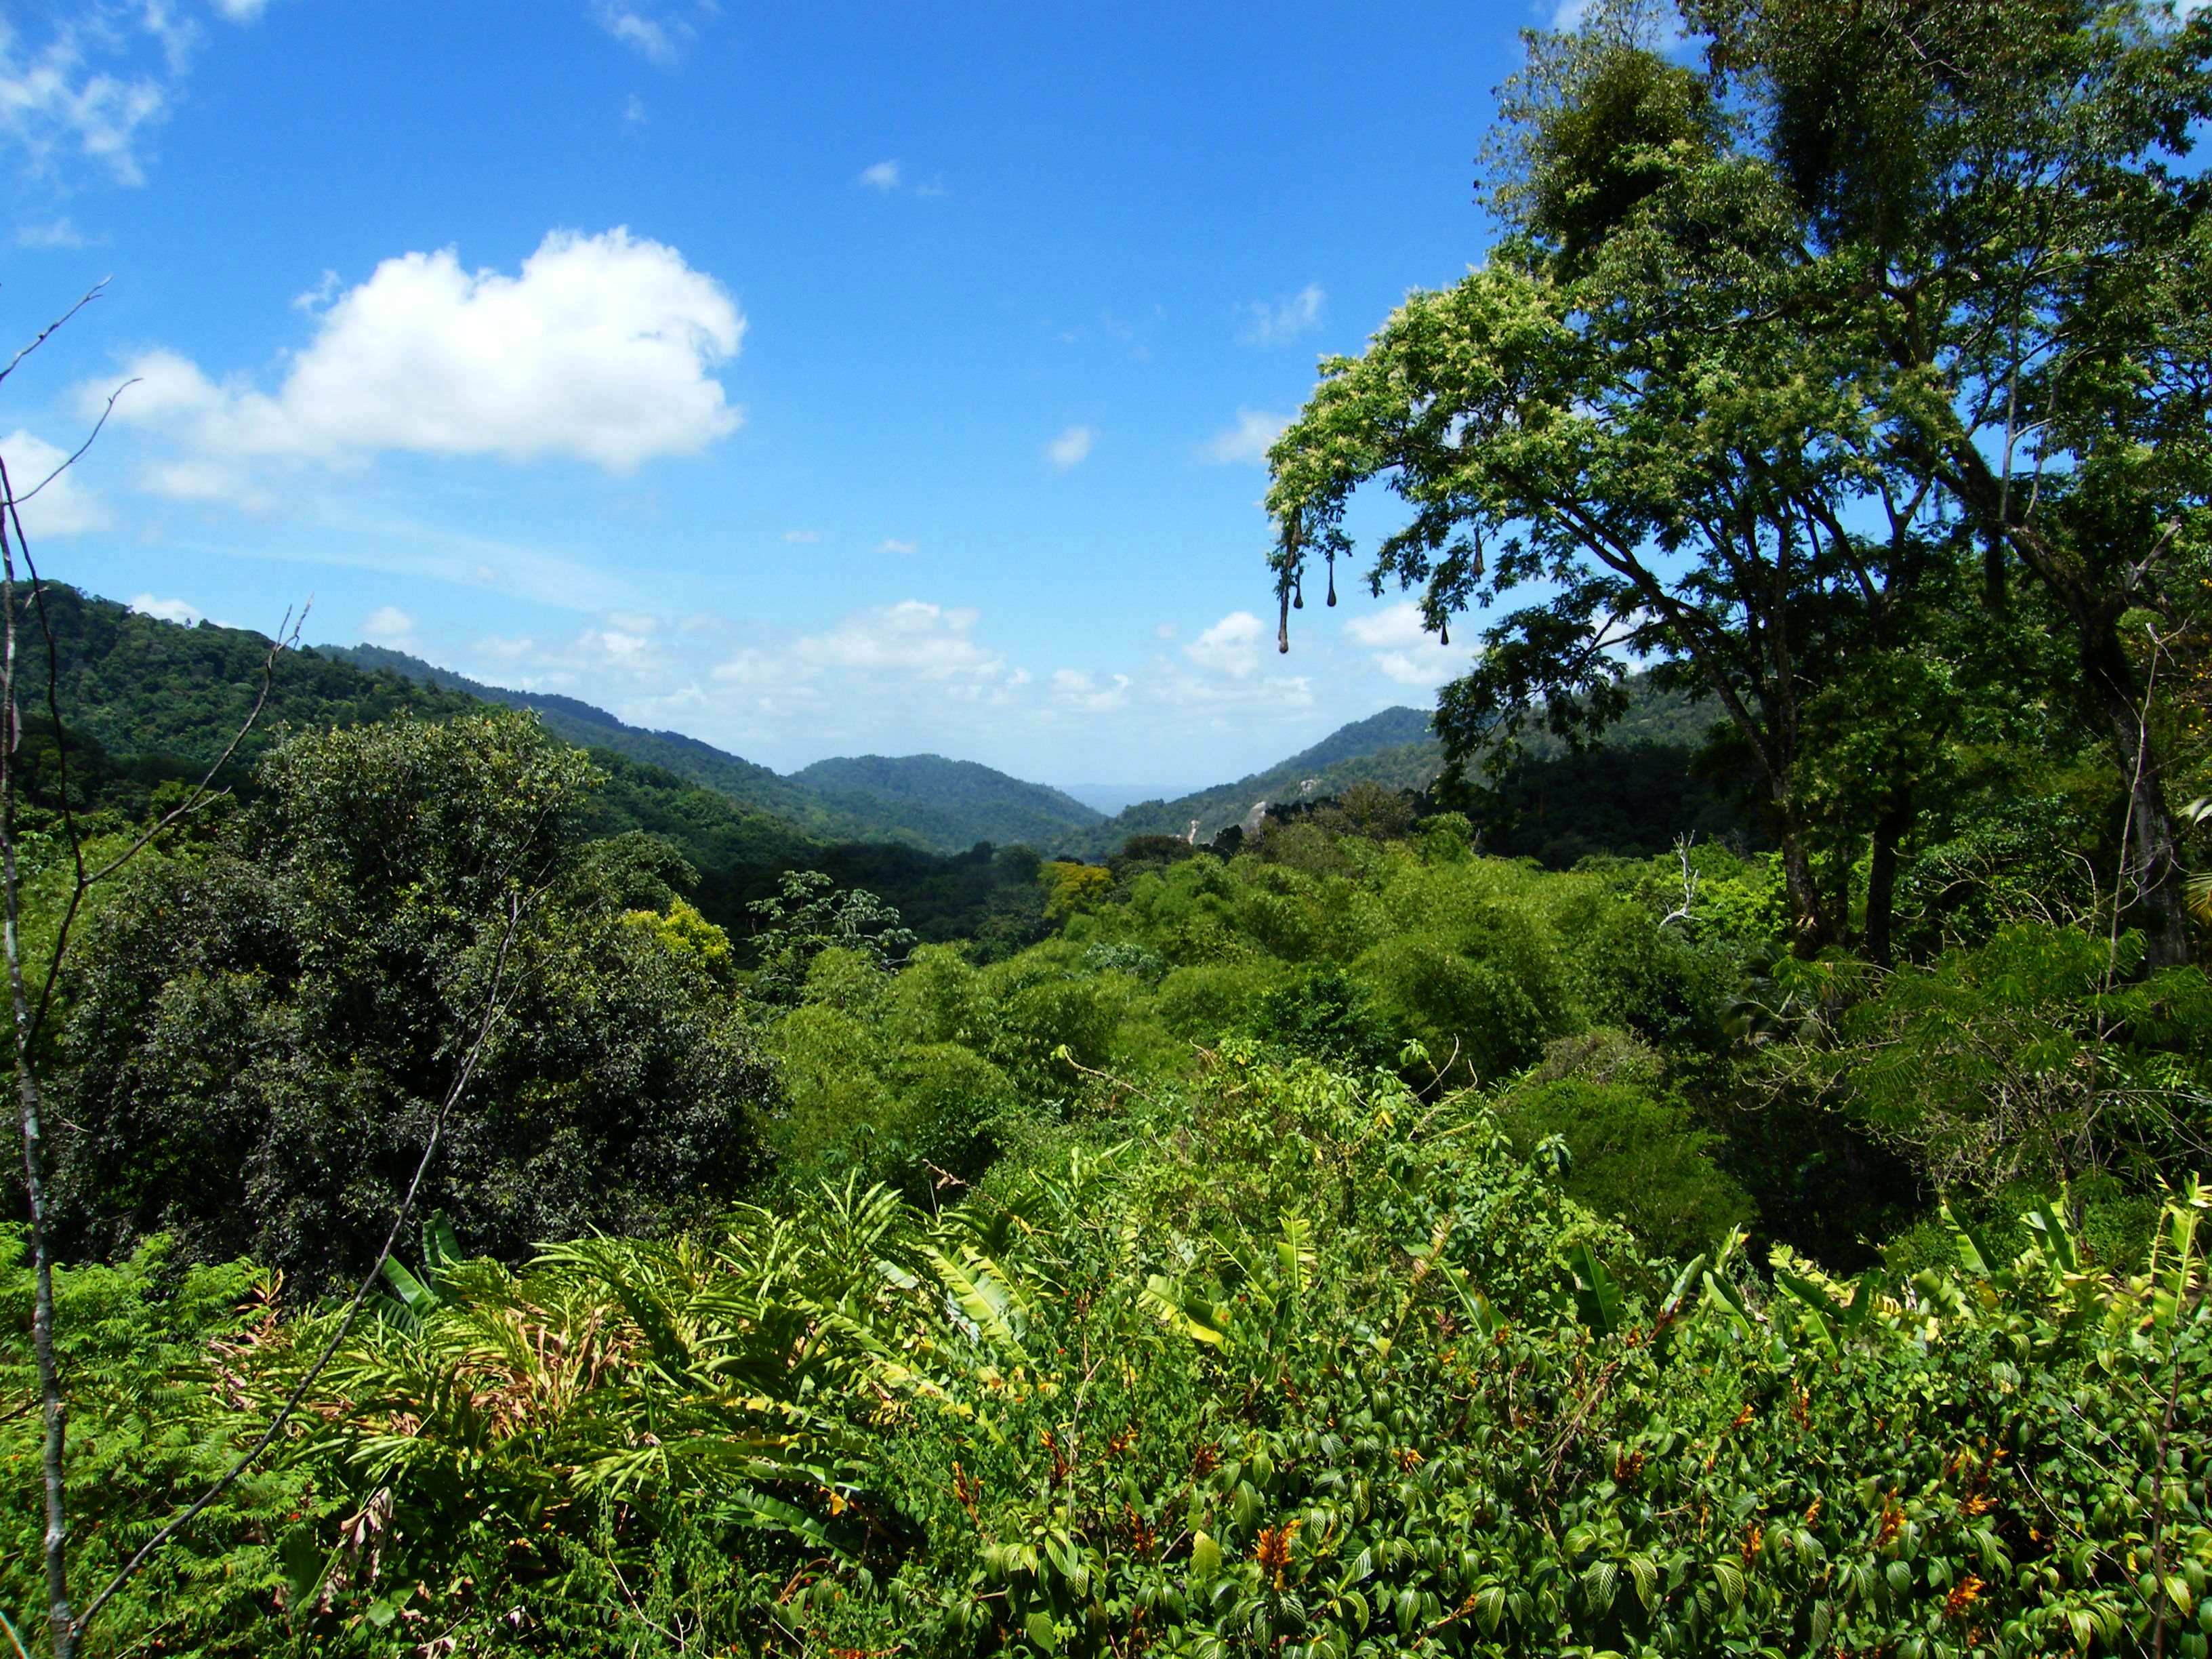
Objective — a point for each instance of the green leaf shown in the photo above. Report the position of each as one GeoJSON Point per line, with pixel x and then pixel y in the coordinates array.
{"type": "Point", "coordinates": [1729, 1577]}
{"type": "Point", "coordinates": [1645, 1572]}
{"type": "Point", "coordinates": [418, 1298]}
{"type": "Point", "coordinates": [441, 1251]}
{"type": "Point", "coordinates": [1042, 1630]}
{"type": "Point", "coordinates": [1490, 1608]}
{"type": "Point", "coordinates": [2057, 1238]}
{"type": "Point", "coordinates": [1205, 1555]}
{"type": "Point", "coordinates": [1827, 1316]}
{"type": "Point", "coordinates": [1601, 1583]}
{"type": "Point", "coordinates": [1597, 1299]}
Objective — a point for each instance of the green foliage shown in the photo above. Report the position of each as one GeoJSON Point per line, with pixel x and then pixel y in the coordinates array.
{"type": "Point", "coordinates": [1305, 1359]}
{"type": "Point", "coordinates": [149, 1350]}
{"type": "Point", "coordinates": [262, 1032]}
{"type": "Point", "coordinates": [2038, 1056]}
{"type": "Point", "coordinates": [808, 917]}
{"type": "Point", "coordinates": [1632, 1149]}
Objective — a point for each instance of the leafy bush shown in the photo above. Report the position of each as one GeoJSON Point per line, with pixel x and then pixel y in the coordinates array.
{"type": "Point", "coordinates": [1306, 1362]}
{"type": "Point", "coordinates": [1632, 1151]}
{"type": "Point", "coordinates": [262, 1032]}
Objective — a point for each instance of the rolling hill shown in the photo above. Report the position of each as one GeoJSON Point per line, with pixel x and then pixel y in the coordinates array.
{"type": "Point", "coordinates": [953, 800]}
{"type": "Point", "coordinates": [922, 800]}
{"type": "Point", "coordinates": [1394, 748]}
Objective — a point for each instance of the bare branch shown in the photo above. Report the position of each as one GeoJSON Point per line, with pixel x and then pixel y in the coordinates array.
{"type": "Point", "coordinates": [88, 297]}
{"type": "Point", "coordinates": [15, 500]}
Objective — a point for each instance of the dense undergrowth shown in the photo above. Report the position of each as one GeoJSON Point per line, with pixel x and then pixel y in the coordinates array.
{"type": "Point", "coordinates": [1287, 1359]}
{"type": "Point", "coordinates": [1354, 1243]}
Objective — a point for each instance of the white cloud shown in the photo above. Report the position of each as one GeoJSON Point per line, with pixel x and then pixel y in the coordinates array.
{"type": "Point", "coordinates": [1071, 447]}
{"type": "Point", "coordinates": [175, 610]}
{"type": "Point", "coordinates": [619, 646]}
{"type": "Point", "coordinates": [634, 111]}
{"type": "Point", "coordinates": [241, 11]}
{"type": "Point", "coordinates": [884, 175]}
{"type": "Point", "coordinates": [658, 39]}
{"type": "Point", "coordinates": [1246, 443]}
{"type": "Point", "coordinates": [210, 482]}
{"type": "Point", "coordinates": [65, 507]}
{"type": "Point", "coordinates": [318, 297]}
{"type": "Point", "coordinates": [911, 637]}
{"type": "Point", "coordinates": [71, 95]}
{"type": "Point", "coordinates": [802, 538]}
{"type": "Point", "coordinates": [1431, 670]}
{"type": "Point", "coordinates": [1404, 649]}
{"type": "Point", "coordinates": [1073, 689]}
{"type": "Point", "coordinates": [600, 348]}
{"type": "Point", "coordinates": [1166, 631]}
{"type": "Point", "coordinates": [633, 622]}
{"type": "Point", "coordinates": [1394, 625]}
{"type": "Point", "coordinates": [58, 235]}
{"type": "Point", "coordinates": [893, 545]}
{"type": "Point", "coordinates": [752, 667]}
{"type": "Point", "coordinates": [1231, 647]}
{"type": "Point", "coordinates": [1266, 324]}
{"type": "Point", "coordinates": [388, 626]}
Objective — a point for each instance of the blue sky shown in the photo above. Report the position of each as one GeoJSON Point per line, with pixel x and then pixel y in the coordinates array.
{"type": "Point", "coordinates": [814, 381]}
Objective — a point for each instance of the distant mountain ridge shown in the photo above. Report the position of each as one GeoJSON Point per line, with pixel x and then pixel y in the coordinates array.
{"type": "Point", "coordinates": [926, 800]}
{"type": "Point", "coordinates": [156, 700]}
{"type": "Point", "coordinates": [969, 798]}
{"type": "Point", "coordinates": [1396, 748]}
{"type": "Point", "coordinates": [948, 805]}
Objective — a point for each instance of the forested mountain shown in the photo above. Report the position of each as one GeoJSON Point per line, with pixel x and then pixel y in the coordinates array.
{"type": "Point", "coordinates": [755, 786]}
{"type": "Point", "coordinates": [926, 800]}
{"type": "Point", "coordinates": [953, 798]}
{"type": "Point", "coordinates": [1391, 748]}
{"type": "Point", "coordinates": [1641, 789]}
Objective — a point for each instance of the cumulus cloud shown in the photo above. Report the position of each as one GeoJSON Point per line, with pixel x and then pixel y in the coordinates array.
{"type": "Point", "coordinates": [1267, 323]}
{"type": "Point", "coordinates": [601, 349]}
{"type": "Point", "coordinates": [883, 176]}
{"type": "Point", "coordinates": [388, 626]}
{"type": "Point", "coordinates": [63, 506]}
{"type": "Point", "coordinates": [893, 545]}
{"type": "Point", "coordinates": [1071, 447]}
{"type": "Point", "coordinates": [1246, 443]}
{"type": "Point", "coordinates": [913, 637]}
{"type": "Point", "coordinates": [1394, 625]}
{"type": "Point", "coordinates": [1231, 647]}
{"type": "Point", "coordinates": [1073, 689]}
{"type": "Point", "coordinates": [1403, 648]}
{"type": "Point", "coordinates": [175, 610]}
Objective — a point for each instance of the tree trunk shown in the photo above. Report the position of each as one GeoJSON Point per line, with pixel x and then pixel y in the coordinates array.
{"type": "Point", "coordinates": [1881, 878]}
{"type": "Point", "coordinates": [2150, 860]}
{"type": "Point", "coordinates": [1809, 919]}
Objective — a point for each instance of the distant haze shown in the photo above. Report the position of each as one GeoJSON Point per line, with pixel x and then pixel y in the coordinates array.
{"type": "Point", "coordinates": [1111, 797]}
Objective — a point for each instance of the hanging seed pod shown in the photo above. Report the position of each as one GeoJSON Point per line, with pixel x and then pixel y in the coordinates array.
{"type": "Point", "coordinates": [1332, 581]}
{"type": "Point", "coordinates": [1444, 634]}
{"type": "Point", "coordinates": [1298, 600]}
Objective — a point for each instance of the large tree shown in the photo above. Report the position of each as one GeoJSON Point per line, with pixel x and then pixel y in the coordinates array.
{"type": "Point", "coordinates": [264, 1026]}
{"type": "Point", "coordinates": [1765, 345]}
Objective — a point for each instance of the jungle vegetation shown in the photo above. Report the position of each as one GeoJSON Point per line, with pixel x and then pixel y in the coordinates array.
{"type": "Point", "coordinates": [1733, 1191]}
